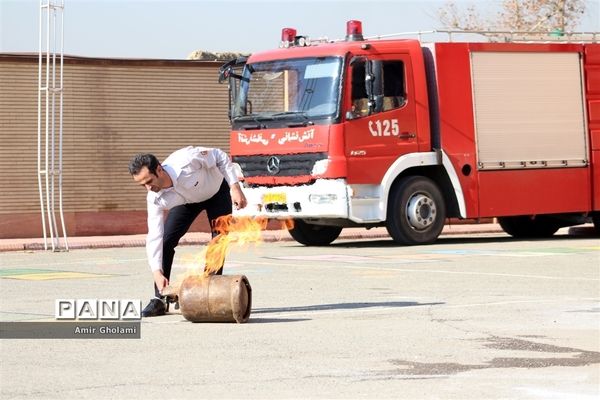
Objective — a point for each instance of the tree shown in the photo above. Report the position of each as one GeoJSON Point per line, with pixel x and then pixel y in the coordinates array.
{"type": "Point", "coordinates": [209, 56]}
{"type": "Point", "coordinates": [516, 15]}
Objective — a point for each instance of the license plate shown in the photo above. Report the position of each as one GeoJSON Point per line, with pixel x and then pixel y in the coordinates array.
{"type": "Point", "coordinates": [278, 198]}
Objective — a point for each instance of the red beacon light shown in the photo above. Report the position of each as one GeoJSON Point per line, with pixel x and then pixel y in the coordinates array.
{"type": "Point", "coordinates": [354, 31]}
{"type": "Point", "coordinates": [288, 36]}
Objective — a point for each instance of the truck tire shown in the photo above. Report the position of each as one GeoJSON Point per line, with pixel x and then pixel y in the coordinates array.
{"type": "Point", "coordinates": [596, 221]}
{"type": "Point", "coordinates": [416, 211]}
{"type": "Point", "coordinates": [314, 235]}
{"type": "Point", "coordinates": [524, 226]}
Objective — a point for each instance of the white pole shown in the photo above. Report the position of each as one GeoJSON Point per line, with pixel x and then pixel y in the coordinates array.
{"type": "Point", "coordinates": [53, 135]}
{"type": "Point", "coordinates": [39, 136]}
{"type": "Point", "coordinates": [60, 129]}
{"type": "Point", "coordinates": [46, 150]}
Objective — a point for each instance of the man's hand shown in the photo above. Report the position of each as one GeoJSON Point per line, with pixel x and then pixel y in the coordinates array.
{"type": "Point", "coordinates": [237, 196]}
{"type": "Point", "coordinates": [160, 280]}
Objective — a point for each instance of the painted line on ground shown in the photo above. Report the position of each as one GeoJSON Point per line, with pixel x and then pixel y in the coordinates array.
{"type": "Point", "coordinates": [424, 271]}
{"type": "Point", "coordinates": [95, 261]}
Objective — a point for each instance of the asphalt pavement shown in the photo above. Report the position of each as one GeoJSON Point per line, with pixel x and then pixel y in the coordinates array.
{"type": "Point", "coordinates": [476, 315]}
{"type": "Point", "coordinates": [201, 238]}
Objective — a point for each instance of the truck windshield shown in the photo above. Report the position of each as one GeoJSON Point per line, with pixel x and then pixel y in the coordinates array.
{"type": "Point", "coordinates": [298, 89]}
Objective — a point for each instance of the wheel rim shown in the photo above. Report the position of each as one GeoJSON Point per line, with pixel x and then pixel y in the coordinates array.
{"type": "Point", "coordinates": [421, 211]}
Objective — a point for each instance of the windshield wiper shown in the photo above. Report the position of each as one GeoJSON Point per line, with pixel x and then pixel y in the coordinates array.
{"type": "Point", "coordinates": [258, 118]}
{"type": "Point", "coordinates": [283, 113]}
{"type": "Point", "coordinates": [302, 114]}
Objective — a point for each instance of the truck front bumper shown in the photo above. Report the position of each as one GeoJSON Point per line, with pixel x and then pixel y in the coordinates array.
{"type": "Point", "coordinates": [325, 198]}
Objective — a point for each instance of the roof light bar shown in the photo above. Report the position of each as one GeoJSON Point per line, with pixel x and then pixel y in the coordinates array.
{"type": "Point", "coordinates": [288, 35]}
{"type": "Point", "coordinates": [354, 30]}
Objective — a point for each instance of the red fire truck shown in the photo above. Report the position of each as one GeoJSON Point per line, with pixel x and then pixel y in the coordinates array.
{"type": "Point", "coordinates": [397, 133]}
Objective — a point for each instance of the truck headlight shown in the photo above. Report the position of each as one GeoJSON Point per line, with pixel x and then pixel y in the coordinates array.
{"type": "Point", "coordinates": [320, 167]}
{"type": "Point", "coordinates": [322, 198]}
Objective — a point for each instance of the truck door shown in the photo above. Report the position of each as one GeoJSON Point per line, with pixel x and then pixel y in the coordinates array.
{"type": "Point", "coordinates": [380, 126]}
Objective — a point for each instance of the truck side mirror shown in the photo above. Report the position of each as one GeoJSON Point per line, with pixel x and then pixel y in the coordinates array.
{"type": "Point", "coordinates": [369, 79]}
{"type": "Point", "coordinates": [374, 85]}
{"type": "Point", "coordinates": [226, 71]}
{"type": "Point", "coordinates": [227, 74]}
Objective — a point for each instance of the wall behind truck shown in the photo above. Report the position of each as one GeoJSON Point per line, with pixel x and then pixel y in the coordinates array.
{"type": "Point", "coordinates": [113, 109]}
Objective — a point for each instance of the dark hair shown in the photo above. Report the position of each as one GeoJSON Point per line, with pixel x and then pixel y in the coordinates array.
{"type": "Point", "coordinates": [143, 160]}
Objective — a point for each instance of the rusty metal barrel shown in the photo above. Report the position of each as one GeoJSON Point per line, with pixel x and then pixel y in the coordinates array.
{"type": "Point", "coordinates": [216, 298]}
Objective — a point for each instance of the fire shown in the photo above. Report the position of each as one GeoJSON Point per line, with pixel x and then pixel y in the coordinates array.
{"type": "Point", "coordinates": [236, 231]}
{"type": "Point", "coordinates": [241, 230]}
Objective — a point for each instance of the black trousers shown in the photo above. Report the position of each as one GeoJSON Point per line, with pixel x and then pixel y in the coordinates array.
{"type": "Point", "coordinates": [180, 219]}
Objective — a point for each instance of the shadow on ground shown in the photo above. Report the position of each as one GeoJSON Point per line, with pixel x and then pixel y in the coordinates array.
{"type": "Point", "coordinates": [342, 306]}
{"type": "Point", "coordinates": [462, 240]}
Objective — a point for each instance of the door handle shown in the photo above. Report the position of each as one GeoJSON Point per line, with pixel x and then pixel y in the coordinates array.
{"type": "Point", "coordinates": [407, 135]}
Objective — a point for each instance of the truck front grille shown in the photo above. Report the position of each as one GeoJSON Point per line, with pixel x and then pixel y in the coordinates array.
{"type": "Point", "coordinates": [279, 164]}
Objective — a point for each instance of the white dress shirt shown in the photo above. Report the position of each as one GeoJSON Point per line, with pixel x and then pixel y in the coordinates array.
{"type": "Point", "coordinates": [197, 174]}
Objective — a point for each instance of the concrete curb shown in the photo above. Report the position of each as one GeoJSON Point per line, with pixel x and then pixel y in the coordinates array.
{"type": "Point", "coordinates": [202, 238]}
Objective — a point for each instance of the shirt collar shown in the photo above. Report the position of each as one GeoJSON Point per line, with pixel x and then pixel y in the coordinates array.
{"type": "Point", "coordinates": [173, 174]}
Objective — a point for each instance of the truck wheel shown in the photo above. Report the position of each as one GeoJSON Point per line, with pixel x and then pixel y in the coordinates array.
{"type": "Point", "coordinates": [314, 235]}
{"type": "Point", "coordinates": [596, 221]}
{"type": "Point", "coordinates": [416, 211]}
{"type": "Point", "coordinates": [524, 227]}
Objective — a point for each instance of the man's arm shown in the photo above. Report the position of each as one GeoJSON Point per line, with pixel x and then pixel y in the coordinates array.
{"type": "Point", "coordinates": [237, 196]}
{"type": "Point", "coordinates": [224, 164]}
{"type": "Point", "coordinates": [154, 243]}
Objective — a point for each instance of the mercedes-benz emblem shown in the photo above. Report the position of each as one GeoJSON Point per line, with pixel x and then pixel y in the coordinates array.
{"type": "Point", "coordinates": [273, 165]}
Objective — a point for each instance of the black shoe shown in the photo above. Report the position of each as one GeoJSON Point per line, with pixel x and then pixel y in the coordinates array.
{"type": "Point", "coordinates": [155, 308]}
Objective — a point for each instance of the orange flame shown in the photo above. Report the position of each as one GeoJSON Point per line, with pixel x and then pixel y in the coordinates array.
{"type": "Point", "coordinates": [238, 231]}
{"type": "Point", "coordinates": [241, 230]}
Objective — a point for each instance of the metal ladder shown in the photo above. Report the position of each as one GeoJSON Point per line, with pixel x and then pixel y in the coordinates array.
{"type": "Point", "coordinates": [498, 36]}
{"type": "Point", "coordinates": [50, 85]}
